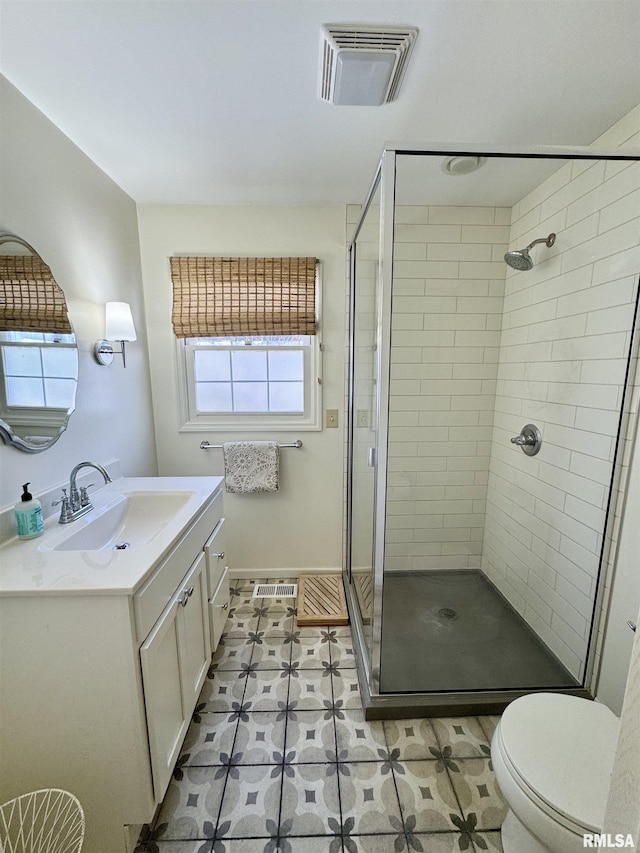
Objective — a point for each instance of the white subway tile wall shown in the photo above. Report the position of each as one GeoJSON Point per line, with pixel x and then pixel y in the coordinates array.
{"type": "Point", "coordinates": [447, 309]}
{"type": "Point", "coordinates": [566, 334]}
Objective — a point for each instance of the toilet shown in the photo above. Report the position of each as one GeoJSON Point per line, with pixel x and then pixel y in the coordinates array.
{"type": "Point", "coordinates": [553, 756]}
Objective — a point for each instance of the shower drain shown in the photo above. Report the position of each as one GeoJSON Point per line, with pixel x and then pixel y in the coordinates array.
{"type": "Point", "coordinates": [447, 613]}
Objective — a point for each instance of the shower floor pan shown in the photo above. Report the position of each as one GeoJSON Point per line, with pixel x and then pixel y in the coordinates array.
{"type": "Point", "coordinates": [452, 643]}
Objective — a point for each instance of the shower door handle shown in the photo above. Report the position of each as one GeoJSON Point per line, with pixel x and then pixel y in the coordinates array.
{"type": "Point", "coordinates": [372, 457]}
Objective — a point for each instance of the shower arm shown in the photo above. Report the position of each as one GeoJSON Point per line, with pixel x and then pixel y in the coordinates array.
{"type": "Point", "coordinates": [550, 240]}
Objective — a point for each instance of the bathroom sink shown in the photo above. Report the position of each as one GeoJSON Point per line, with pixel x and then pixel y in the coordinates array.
{"type": "Point", "coordinates": [131, 521]}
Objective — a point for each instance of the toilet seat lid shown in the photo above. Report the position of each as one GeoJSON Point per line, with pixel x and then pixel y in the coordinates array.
{"type": "Point", "coordinates": [563, 748]}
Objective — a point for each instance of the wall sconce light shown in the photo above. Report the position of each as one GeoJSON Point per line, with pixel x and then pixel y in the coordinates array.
{"type": "Point", "coordinates": [118, 327]}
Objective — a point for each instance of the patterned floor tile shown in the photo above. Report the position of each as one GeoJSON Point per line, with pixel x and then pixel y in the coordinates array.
{"type": "Point", "coordinates": [492, 840]}
{"type": "Point", "coordinates": [261, 738]}
{"type": "Point", "coordinates": [267, 689]}
{"type": "Point", "coordinates": [270, 653]}
{"type": "Point", "coordinates": [488, 724]}
{"type": "Point", "coordinates": [276, 624]}
{"type": "Point", "coordinates": [347, 690]}
{"type": "Point", "coordinates": [463, 734]}
{"type": "Point", "coordinates": [207, 739]}
{"type": "Point", "coordinates": [222, 691]}
{"type": "Point", "coordinates": [438, 842]}
{"type": "Point", "coordinates": [240, 624]}
{"type": "Point", "coordinates": [311, 737]}
{"type": "Point", "coordinates": [369, 798]}
{"type": "Point", "coordinates": [198, 846]}
{"type": "Point", "coordinates": [375, 843]}
{"type": "Point", "coordinates": [190, 807]}
{"type": "Point", "coordinates": [311, 653]}
{"type": "Point", "coordinates": [251, 801]}
{"type": "Point", "coordinates": [311, 692]}
{"type": "Point", "coordinates": [311, 844]}
{"type": "Point", "coordinates": [231, 655]}
{"type": "Point", "coordinates": [477, 791]}
{"type": "Point", "coordinates": [426, 796]}
{"type": "Point", "coordinates": [358, 739]}
{"type": "Point", "coordinates": [414, 738]}
{"type": "Point", "coordinates": [342, 653]}
{"type": "Point", "coordinates": [309, 799]}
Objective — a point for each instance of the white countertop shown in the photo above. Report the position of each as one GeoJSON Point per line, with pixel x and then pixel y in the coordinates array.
{"type": "Point", "coordinates": [31, 567]}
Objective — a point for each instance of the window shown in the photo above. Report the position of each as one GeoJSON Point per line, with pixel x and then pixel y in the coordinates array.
{"type": "Point", "coordinates": [40, 370]}
{"type": "Point", "coordinates": [259, 366]}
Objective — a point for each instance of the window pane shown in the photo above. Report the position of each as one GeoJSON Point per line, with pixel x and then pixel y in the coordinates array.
{"type": "Point", "coordinates": [212, 365]}
{"type": "Point", "coordinates": [286, 396]}
{"type": "Point", "coordinates": [249, 366]}
{"type": "Point", "coordinates": [24, 392]}
{"type": "Point", "coordinates": [60, 392]}
{"type": "Point", "coordinates": [250, 397]}
{"type": "Point", "coordinates": [213, 397]}
{"type": "Point", "coordinates": [286, 365]}
{"type": "Point", "coordinates": [23, 361]}
{"type": "Point", "coordinates": [60, 362]}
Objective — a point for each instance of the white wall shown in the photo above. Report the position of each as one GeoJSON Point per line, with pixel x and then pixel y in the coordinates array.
{"type": "Point", "coordinates": [300, 527]}
{"type": "Point", "coordinates": [85, 228]}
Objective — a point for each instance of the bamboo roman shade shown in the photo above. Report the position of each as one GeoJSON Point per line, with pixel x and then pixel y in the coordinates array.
{"type": "Point", "coordinates": [30, 298]}
{"type": "Point", "coordinates": [214, 297]}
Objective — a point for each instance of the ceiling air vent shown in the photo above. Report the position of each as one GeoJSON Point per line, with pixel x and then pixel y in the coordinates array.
{"type": "Point", "coordinates": [364, 66]}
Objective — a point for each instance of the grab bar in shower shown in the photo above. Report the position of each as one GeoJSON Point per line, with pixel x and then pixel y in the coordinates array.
{"type": "Point", "coordinates": [204, 445]}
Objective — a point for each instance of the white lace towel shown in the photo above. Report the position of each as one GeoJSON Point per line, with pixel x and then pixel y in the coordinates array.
{"type": "Point", "coordinates": [251, 466]}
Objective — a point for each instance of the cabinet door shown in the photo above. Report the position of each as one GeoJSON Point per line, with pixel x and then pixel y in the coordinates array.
{"type": "Point", "coordinates": [193, 635]}
{"type": "Point", "coordinates": [175, 658]}
{"type": "Point", "coordinates": [160, 659]}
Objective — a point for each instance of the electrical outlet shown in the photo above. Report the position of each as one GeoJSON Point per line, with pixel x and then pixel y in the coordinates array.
{"type": "Point", "coordinates": [331, 418]}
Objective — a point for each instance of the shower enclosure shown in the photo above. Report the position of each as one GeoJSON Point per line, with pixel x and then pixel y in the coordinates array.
{"type": "Point", "coordinates": [489, 390]}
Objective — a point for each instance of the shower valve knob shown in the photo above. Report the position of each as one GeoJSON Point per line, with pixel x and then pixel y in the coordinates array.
{"type": "Point", "coordinates": [529, 440]}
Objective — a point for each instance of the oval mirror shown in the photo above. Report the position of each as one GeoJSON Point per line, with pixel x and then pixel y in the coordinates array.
{"type": "Point", "coordinates": [38, 353]}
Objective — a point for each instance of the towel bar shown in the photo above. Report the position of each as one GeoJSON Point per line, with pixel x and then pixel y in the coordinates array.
{"type": "Point", "coordinates": [204, 445]}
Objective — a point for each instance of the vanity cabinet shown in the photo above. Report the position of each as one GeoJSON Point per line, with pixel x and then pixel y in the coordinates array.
{"type": "Point", "coordinates": [98, 686]}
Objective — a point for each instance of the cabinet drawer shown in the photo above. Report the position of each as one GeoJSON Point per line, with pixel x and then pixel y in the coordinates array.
{"type": "Point", "coordinates": [215, 550]}
{"type": "Point", "coordinates": [219, 610]}
{"type": "Point", "coordinates": [157, 591]}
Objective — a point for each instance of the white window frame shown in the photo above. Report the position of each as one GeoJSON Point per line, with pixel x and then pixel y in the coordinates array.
{"type": "Point", "coordinates": [311, 419]}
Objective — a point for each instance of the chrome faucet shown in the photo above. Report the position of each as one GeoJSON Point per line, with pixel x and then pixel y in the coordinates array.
{"type": "Point", "coordinates": [78, 503]}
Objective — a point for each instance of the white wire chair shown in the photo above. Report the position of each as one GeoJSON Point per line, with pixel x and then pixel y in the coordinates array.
{"type": "Point", "coordinates": [45, 821]}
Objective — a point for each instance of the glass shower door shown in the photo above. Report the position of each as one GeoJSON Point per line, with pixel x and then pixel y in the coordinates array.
{"type": "Point", "coordinates": [363, 389]}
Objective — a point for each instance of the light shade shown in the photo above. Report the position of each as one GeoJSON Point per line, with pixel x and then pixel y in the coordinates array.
{"type": "Point", "coordinates": [362, 77]}
{"type": "Point", "coordinates": [119, 322]}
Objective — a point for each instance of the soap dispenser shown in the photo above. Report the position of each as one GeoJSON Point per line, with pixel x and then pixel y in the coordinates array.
{"type": "Point", "coordinates": [29, 519]}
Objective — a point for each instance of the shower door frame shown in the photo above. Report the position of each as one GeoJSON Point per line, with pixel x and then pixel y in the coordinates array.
{"type": "Point", "coordinates": [434, 703]}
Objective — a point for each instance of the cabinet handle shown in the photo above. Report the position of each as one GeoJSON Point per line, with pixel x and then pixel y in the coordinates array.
{"type": "Point", "coordinates": [222, 606]}
{"type": "Point", "coordinates": [220, 556]}
{"type": "Point", "coordinates": [186, 595]}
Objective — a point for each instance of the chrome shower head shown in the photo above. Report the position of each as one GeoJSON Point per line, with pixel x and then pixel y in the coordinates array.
{"type": "Point", "coordinates": [520, 258]}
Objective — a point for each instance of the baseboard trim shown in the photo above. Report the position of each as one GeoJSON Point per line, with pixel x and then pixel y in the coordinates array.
{"type": "Point", "coordinates": [270, 574]}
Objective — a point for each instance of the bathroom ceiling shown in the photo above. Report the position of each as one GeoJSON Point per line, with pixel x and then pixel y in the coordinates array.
{"type": "Point", "coordinates": [216, 101]}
